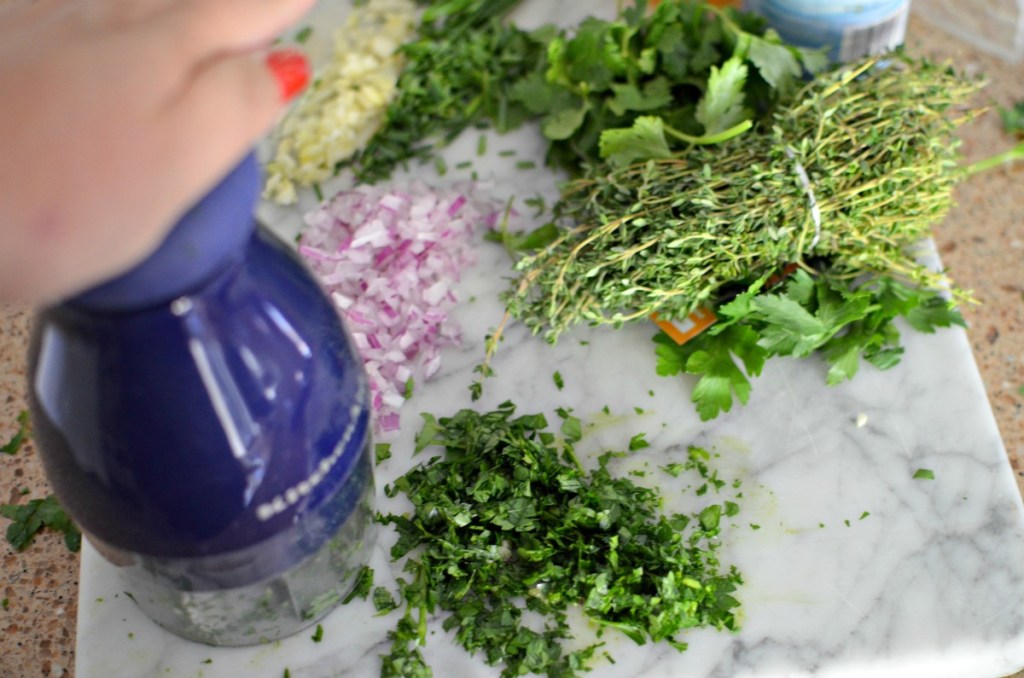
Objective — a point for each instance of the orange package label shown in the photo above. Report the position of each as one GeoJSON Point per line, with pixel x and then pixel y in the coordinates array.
{"type": "Point", "coordinates": [683, 330]}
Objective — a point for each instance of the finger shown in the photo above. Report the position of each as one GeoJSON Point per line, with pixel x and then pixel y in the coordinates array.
{"type": "Point", "coordinates": [226, 107]}
{"type": "Point", "coordinates": [213, 26]}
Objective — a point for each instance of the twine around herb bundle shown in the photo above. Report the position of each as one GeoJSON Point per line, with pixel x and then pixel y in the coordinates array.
{"type": "Point", "coordinates": [877, 144]}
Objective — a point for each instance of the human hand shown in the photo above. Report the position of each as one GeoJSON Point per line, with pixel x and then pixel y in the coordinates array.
{"type": "Point", "coordinates": [116, 116]}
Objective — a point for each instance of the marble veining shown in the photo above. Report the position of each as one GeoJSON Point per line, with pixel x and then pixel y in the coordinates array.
{"type": "Point", "coordinates": [856, 568]}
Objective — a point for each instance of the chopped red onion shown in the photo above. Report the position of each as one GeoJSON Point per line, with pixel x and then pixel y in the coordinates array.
{"type": "Point", "coordinates": [391, 260]}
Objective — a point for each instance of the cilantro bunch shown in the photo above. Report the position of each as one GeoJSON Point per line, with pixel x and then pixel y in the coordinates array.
{"type": "Point", "coordinates": [699, 74]}
{"type": "Point", "coordinates": [507, 522]}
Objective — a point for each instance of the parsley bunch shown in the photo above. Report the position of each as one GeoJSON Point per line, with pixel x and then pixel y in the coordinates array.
{"type": "Point", "coordinates": [809, 314]}
{"type": "Point", "coordinates": [508, 522]}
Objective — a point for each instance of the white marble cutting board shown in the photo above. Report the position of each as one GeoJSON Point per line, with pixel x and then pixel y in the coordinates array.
{"type": "Point", "coordinates": [856, 569]}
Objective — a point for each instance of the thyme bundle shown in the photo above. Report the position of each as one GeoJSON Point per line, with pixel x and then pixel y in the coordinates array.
{"type": "Point", "coordinates": [849, 179]}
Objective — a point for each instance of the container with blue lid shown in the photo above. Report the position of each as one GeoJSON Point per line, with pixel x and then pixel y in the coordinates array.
{"type": "Point", "coordinates": [849, 29]}
{"type": "Point", "coordinates": [205, 419]}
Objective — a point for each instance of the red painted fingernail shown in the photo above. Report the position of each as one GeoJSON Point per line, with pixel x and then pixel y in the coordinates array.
{"type": "Point", "coordinates": [291, 68]}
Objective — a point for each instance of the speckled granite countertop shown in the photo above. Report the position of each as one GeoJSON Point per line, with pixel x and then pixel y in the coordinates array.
{"type": "Point", "coordinates": [981, 243]}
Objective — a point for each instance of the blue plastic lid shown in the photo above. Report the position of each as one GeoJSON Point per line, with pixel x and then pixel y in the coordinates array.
{"type": "Point", "coordinates": [210, 235]}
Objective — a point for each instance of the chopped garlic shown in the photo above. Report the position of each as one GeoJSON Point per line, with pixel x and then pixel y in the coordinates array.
{"type": "Point", "coordinates": [862, 420]}
{"type": "Point", "coordinates": [345, 103]}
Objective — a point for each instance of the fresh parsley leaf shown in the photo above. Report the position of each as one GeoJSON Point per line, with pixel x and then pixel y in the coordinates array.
{"type": "Point", "coordinates": [775, 62]}
{"type": "Point", "coordinates": [30, 518]}
{"type": "Point", "coordinates": [638, 442]}
{"type": "Point", "coordinates": [713, 359]}
{"type": "Point", "coordinates": [381, 451]}
{"type": "Point", "coordinates": [362, 585]}
{"type": "Point", "coordinates": [722, 105]}
{"type": "Point", "coordinates": [18, 439]}
{"type": "Point", "coordinates": [643, 141]}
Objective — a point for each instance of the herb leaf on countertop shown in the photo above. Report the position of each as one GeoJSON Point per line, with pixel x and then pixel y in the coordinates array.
{"type": "Point", "coordinates": [32, 517]}
{"type": "Point", "coordinates": [20, 436]}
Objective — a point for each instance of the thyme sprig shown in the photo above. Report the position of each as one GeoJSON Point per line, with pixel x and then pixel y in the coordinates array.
{"type": "Point", "coordinates": [669, 235]}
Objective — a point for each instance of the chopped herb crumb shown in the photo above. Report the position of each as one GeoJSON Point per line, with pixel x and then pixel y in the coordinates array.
{"type": "Point", "coordinates": [318, 635]}
{"type": "Point", "coordinates": [638, 442]}
{"type": "Point", "coordinates": [381, 451]}
{"type": "Point", "coordinates": [559, 382]}
{"type": "Point", "coordinates": [14, 444]}
{"type": "Point", "coordinates": [924, 474]}
{"type": "Point", "coordinates": [361, 589]}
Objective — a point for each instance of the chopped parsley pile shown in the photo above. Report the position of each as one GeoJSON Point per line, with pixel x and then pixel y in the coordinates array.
{"type": "Point", "coordinates": [507, 524]}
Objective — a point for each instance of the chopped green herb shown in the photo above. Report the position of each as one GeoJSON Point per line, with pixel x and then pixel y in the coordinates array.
{"type": "Point", "coordinates": [14, 444]}
{"type": "Point", "coordinates": [30, 518]}
{"type": "Point", "coordinates": [481, 145]}
{"type": "Point", "coordinates": [440, 166]}
{"type": "Point", "coordinates": [507, 520]}
{"type": "Point", "coordinates": [559, 383]}
{"type": "Point", "coordinates": [381, 451]}
{"type": "Point", "coordinates": [318, 635]}
{"type": "Point", "coordinates": [383, 601]}
{"type": "Point", "coordinates": [460, 68]}
{"type": "Point", "coordinates": [465, 164]}
{"type": "Point", "coordinates": [526, 165]}
{"type": "Point", "coordinates": [362, 586]}
{"type": "Point", "coordinates": [317, 191]}
{"type": "Point", "coordinates": [847, 522]}
{"type": "Point", "coordinates": [303, 35]}
{"type": "Point", "coordinates": [1013, 118]}
{"type": "Point", "coordinates": [755, 526]}
{"type": "Point", "coordinates": [208, 660]}
{"type": "Point", "coordinates": [924, 474]}
{"type": "Point", "coordinates": [864, 515]}
{"type": "Point", "coordinates": [674, 470]}
{"type": "Point", "coordinates": [638, 442]}
{"type": "Point", "coordinates": [410, 385]}
{"type": "Point", "coordinates": [507, 153]}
